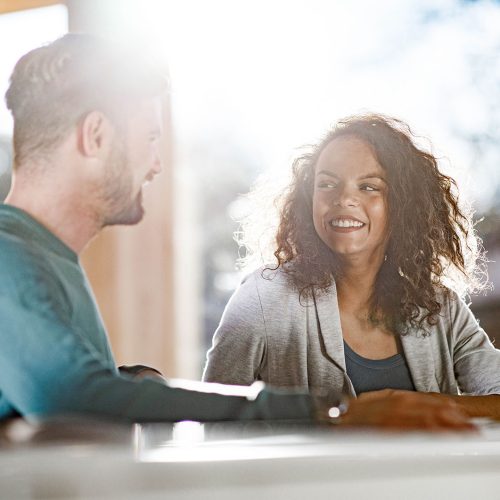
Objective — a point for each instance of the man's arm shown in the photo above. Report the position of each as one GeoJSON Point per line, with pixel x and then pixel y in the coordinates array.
{"type": "Point", "coordinates": [47, 370]}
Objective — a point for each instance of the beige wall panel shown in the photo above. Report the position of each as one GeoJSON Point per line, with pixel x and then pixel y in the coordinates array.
{"type": "Point", "coordinates": [131, 268]}
{"type": "Point", "coordinates": [13, 5]}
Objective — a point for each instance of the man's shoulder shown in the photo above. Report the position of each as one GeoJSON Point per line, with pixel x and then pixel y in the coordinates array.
{"type": "Point", "coordinates": [18, 257]}
{"type": "Point", "coordinates": [27, 278]}
{"type": "Point", "coordinates": [13, 246]}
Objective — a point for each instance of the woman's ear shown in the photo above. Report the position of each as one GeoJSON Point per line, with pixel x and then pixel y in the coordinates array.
{"type": "Point", "coordinates": [95, 134]}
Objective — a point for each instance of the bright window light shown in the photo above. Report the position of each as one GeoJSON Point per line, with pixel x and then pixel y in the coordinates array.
{"type": "Point", "coordinates": [270, 76]}
{"type": "Point", "coordinates": [19, 33]}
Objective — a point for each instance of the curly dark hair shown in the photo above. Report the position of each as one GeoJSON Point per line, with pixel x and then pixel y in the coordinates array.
{"type": "Point", "coordinates": [431, 236]}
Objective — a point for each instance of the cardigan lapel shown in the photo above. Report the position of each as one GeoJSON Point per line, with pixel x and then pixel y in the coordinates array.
{"type": "Point", "coordinates": [330, 329]}
{"type": "Point", "coordinates": [417, 348]}
{"type": "Point", "coordinates": [419, 356]}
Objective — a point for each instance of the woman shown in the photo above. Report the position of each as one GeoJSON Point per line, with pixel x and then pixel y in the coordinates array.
{"type": "Point", "coordinates": [372, 248]}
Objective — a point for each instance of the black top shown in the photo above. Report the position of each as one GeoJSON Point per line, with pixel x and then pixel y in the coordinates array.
{"type": "Point", "coordinates": [376, 374]}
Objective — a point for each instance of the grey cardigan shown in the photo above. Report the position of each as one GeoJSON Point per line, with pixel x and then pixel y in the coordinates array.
{"type": "Point", "coordinates": [266, 333]}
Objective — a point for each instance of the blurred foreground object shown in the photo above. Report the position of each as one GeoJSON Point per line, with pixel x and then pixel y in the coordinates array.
{"type": "Point", "coordinates": [247, 461]}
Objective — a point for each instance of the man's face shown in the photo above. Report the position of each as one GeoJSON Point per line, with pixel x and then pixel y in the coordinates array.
{"type": "Point", "coordinates": [133, 162]}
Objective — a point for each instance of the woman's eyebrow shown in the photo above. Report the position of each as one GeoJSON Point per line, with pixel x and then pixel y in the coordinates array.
{"type": "Point", "coordinates": [372, 176]}
{"type": "Point", "coordinates": [327, 172]}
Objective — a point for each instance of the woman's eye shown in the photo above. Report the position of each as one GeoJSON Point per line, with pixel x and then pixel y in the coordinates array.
{"type": "Point", "coordinates": [327, 185]}
{"type": "Point", "coordinates": [367, 187]}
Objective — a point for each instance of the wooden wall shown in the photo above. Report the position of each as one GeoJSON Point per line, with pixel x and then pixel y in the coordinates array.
{"type": "Point", "coordinates": [131, 268]}
{"type": "Point", "coordinates": [15, 5]}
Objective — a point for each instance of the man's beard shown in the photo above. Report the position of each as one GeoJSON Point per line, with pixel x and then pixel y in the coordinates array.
{"type": "Point", "coordinates": [120, 206]}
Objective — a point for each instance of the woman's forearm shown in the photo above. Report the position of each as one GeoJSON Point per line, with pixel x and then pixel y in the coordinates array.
{"type": "Point", "coordinates": [478, 406]}
{"type": "Point", "coordinates": [472, 406]}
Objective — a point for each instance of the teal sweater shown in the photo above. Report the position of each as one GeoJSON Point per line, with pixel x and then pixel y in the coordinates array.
{"type": "Point", "coordinates": [55, 358]}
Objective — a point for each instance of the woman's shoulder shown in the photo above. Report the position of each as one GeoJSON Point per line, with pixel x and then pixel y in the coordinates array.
{"type": "Point", "coordinates": [269, 282]}
{"type": "Point", "coordinates": [268, 276]}
{"type": "Point", "coordinates": [455, 314]}
{"type": "Point", "coordinates": [263, 289]}
{"type": "Point", "coordinates": [451, 301]}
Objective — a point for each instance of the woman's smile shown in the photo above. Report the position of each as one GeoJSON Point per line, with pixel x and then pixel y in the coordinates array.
{"type": "Point", "coordinates": [346, 224]}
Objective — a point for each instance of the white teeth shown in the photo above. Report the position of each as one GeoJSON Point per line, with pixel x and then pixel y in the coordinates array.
{"type": "Point", "coordinates": [346, 223]}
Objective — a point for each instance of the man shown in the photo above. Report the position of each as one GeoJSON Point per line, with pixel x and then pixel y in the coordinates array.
{"type": "Point", "coordinates": [86, 130]}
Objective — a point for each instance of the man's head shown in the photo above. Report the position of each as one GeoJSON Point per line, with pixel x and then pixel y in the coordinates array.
{"type": "Point", "coordinates": [84, 84]}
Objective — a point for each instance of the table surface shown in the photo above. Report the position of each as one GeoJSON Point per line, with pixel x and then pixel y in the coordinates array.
{"type": "Point", "coordinates": [226, 461]}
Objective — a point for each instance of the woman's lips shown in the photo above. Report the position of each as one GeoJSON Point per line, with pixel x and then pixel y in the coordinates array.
{"type": "Point", "coordinates": [346, 224]}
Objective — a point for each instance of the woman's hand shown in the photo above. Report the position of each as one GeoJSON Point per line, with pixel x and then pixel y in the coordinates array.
{"type": "Point", "coordinates": [406, 410]}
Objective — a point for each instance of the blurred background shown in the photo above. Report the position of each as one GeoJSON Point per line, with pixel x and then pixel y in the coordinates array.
{"type": "Point", "coordinates": [252, 81]}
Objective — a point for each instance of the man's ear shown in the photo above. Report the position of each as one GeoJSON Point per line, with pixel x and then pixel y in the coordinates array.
{"type": "Point", "coordinates": [95, 134]}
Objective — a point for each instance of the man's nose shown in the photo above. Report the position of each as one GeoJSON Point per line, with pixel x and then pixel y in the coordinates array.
{"type": "Point", "coordinates": [157, 161]}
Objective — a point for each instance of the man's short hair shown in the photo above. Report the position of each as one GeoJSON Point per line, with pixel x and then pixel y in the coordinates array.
{"type": "Point", "coordinates": [54, 86]}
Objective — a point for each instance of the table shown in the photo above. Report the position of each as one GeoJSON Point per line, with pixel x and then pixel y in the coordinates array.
{"type": "Point", "coordinates": [237, 461]}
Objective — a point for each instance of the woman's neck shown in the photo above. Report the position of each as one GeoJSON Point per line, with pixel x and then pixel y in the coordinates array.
{"type": "Point", "coordinates": [355, 286]}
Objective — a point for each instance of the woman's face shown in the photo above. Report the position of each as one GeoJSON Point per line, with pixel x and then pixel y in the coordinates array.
{"type": "Point", "coordinates": [350, 211]}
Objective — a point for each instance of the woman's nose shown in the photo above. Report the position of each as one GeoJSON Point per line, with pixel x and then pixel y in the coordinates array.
{"type": "Point", "coordinates": [346, 198]}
